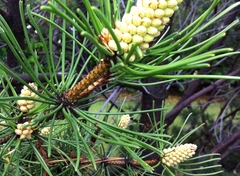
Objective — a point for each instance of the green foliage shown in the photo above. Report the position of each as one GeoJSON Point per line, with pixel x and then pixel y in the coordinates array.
{"type": "Point", "coordinates": [79, 142]}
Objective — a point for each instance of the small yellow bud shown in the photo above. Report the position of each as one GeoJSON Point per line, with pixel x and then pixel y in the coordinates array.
{"type": "Point", "coordinates": [18, 132]}
{"type": "Point", "coordinates": [149, 12]}
{"type": "Point", "coordinates": [141, 30]}
{"type": "Point", "coordinates": [159, 13]}
{"type": "Point", "coordinates": [22, 136]}
{"type": "Point", "coordinates": [132, 29]}
{"type": "Point", "coordinates": [141, 12]}
{"type": "Point", "coordinates": [29, 128]}
{"type": "Point", "coordinates": [25, 92]}
{"type": "Point", "coordinates": [137, 39]}
{"type": "Point", "coordinates": [153, 4]}
{"type": "Point", "coordinates": [25, 132]}
{"type": "Point", "coordinates": [134, 10]}
{"type": "Point", "coordinates": [136, 20]}
{"type": "Point", "coordinates": [148, 38]}
{"type": "Point", "coordinates": [162, 4]}
{"type": "Point", "coordinates": [165, 20]}
{"type": "Point", "coordinates": [157, 34]}
{"type": "Point", "coordinates": [112, 45]}
{"type": "Point", "coordinates": [33, 95]}
{"type": "Point", "coordinates": [143, 46]}
{"type": "Point", "coordinates": [132, 58]}
{"type": "Point", "coordinates": [172, 3]}
{"type": "Point", "coordinates": [168, 12]}
{"type": "Point", "coordinates": [146, 22]}
{"type": "Point", "coordinates": [21, 102]}
{"type": "Point", "coordinates": [156, 22]}
{"type": "Point", "coordinates": [29, 136]}
{"type": "Point", "coordinates": [25, 87]}
{"type": "Point", "coordinates": [175, 155]}
{"type": "Point", "coordinates": [152, 30]}
{"type": "Point", "coordinates": [23, 109]}
{"type": "Point", "coordinates": [124, 46]}
{"type": "Point", "coordinates": [126, 37]}
{"type": "Point", "coordinates": [145, 3]}
{"type": "Point", "coordinates": [122, 26]}
{"type": "Point", "coordinates": [175, 8]}
{"type": "Point", "coordinates": [127, 18]}
{"type": "Point", "coordinates": [160, 28]}
{"type": "Point", "coordinates": [118, 34]}
{"type": "Point", "coordinates": [29, 101]}
{"type": "Point", "coordinates": [30, 106]}
{"type": "Point", "coordinates": [124, 121]}
{"type": "Point", "coordinates": [45, 131]}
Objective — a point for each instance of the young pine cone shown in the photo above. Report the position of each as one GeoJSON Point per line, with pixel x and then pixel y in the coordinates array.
{"type": "Point", "coordinates": [141, 25]}
{"type": "Point", "coordinates": [26, 105]}
{"type": "Point", "coordinates": [175, 155]}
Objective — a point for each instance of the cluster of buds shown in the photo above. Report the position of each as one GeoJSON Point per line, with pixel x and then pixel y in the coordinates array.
{"type": "Point", "coordinates": [45, 131]}
{"type": "Point", "coordinates": [175, 155]}
{"type": "Point", "coordinates": [141, 25]}
{"type": "Point", "coordinates": [24, 132]}
{"type": "Point", "coordinates": [26, 105]}
{"type": "Point", "coordinates": [2, 123]}
{"type": "Point", "coordinates": [124, 121]}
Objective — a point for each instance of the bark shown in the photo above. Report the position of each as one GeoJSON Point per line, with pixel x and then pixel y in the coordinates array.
{"type": "Point", "coordinates": [224, 145]}
{"type": "Point", "coordinates": [190, 97]}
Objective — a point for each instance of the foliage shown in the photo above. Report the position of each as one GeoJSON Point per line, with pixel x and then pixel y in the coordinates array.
{"type": "Point", "coordinates": [79, 142]}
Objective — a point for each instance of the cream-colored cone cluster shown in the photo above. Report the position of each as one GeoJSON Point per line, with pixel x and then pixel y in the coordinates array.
{"type": "Point", "coordinates": [24, 132]}
{"type": "Point", "coordinates": [141, 25]}
{"type": "Point", "coordinates": [2, 123]}
{"type": "Point", "coordinates": [124, 121]}
{"type": "Point", "coordinates": [175, 155]}
{"type": "Point", "coordinates": [26, 105]}
{"type": "Point", "coordinates": [45, 131]}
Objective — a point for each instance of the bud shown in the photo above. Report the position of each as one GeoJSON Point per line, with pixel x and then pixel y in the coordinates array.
{"type": "Point", "coordinates": [21, 102]}
{"type": "Point", "coordinates": [168, 12]}
{"type": "Point", "coordinates": [137, 39]}
{"type": "Point", "coordinates": [112, 45]}
{"type": "Point", "coordinates": [25, 92]}
{"type": "Point", "coordinates": [146, 22]}
{"type": "Point", "coordinates": [124, 46]}
{"type": "Point", "coordinates": [126, 37]}
{"type": "Point", "coordinates": [165, 20]}
{"type": "Point", "coordinates": [141, 30]}
{"type": "Point", "coordinates": [45, 131]}
{"type": "Point", "coordinates": [2, 123]}
{"type": "Point", "coordinates": [127, 18]}
{"type": "Point", "coordinates": [159, 13]}
{"type": "Point", "coordinates": [148, 38]}
{"type": "Point", "coordinates": [162, 4]}
{"type": "Point", "coordinates": [149, 13]}
{"type": "Point", "coordinates": [175, 155]}
{"type": "Point", "coordinates": [172, 3]}
{"type": "Point", "coordinates": [132, 29]}
{"type": "Point", "coordinates": [122, 26]}
{"type": "Point", "coordinates": [152, 30]}
{"type": "Point", "coordinates": [18, 132]}
{"type": "Point", "coordinates": [143, 46]}
{"type": "Point", "coordinates": [141, 12]}
{"type": "Point", "coordinates": [118, 34]}
{"type": "Point", "coordinates": [134, 10]}
{"type": "Point", "coordinates": [124, 121]}
{"type": "Point", "coordinates": [156, 22]}
{"type": "Point", "coordinates": [153, 4]}
{"type": "Point", "coordinates": [136, 20]}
